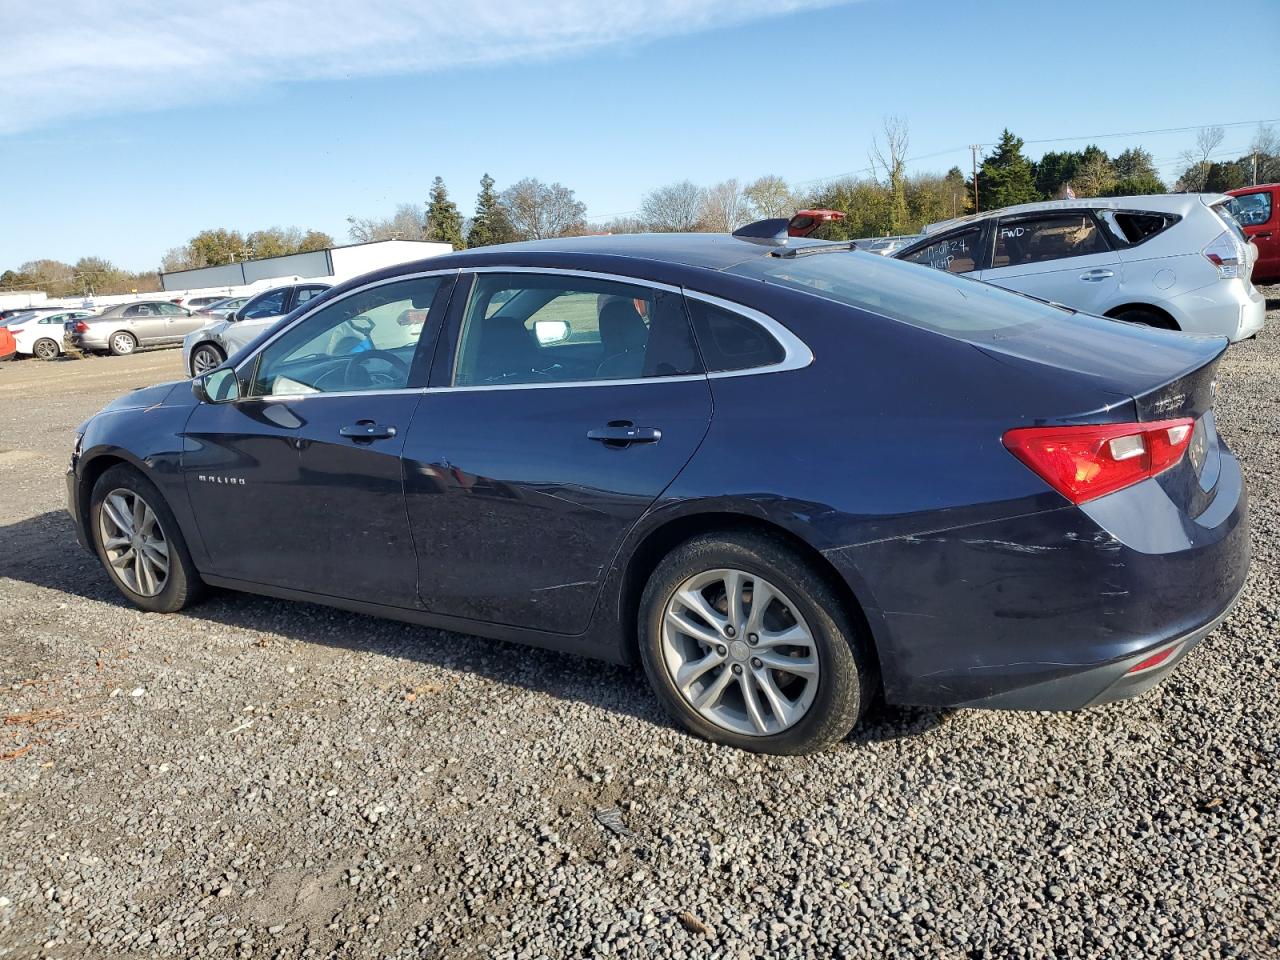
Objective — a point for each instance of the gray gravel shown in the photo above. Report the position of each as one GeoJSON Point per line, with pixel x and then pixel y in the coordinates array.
{"type": "Point", "coordinates": [256, 778]}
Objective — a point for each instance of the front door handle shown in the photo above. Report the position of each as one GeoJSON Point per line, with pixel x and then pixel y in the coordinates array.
{"type": "Point", "coordinates": [623, 433]}
{"type": "Point", "coordinates": [1261, 236]}
{"type": "Point", "coordinates": [1095, 275]}
{"type": "Point", "coordinates": [366, 431]}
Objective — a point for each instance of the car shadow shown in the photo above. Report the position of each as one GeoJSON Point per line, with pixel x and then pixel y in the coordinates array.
{"type": "Point", "coordinates": [43, 551]}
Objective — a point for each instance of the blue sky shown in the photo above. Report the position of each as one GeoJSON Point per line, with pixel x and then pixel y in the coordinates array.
{"type": "Point", "coordinates": [121, 136]}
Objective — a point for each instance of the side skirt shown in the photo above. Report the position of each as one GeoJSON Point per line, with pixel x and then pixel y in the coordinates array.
{"type": "Point", "coordinates": [580, 645]}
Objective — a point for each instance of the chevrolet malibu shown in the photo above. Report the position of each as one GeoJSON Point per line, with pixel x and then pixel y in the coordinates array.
{"type": "Point", "coordinates": [785, 477]}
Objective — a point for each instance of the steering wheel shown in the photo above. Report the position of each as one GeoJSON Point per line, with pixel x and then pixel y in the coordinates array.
{"type": "Point", "coordinates": [397, 376]}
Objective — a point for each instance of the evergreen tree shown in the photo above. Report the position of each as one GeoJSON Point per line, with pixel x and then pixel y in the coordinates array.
{"type": "Point", "coordinates": [1006, 176]}
{"type": "Point", "coordinates": [490, 224]}
{"type": "Point", "coordinates": [444, 222]}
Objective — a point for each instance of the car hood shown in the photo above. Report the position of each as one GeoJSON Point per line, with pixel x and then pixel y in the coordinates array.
{"type": "Point", "coordinates": [154, 396]}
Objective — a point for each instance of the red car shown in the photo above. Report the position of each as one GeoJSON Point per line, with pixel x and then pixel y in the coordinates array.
{"type": "Point", "coordinates": [7, 345]}
{"type": "Point", "coordinates": [1257, 210]}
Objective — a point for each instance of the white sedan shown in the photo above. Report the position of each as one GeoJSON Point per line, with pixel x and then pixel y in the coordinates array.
{"type": "Point", "coordinates": [40, 334]}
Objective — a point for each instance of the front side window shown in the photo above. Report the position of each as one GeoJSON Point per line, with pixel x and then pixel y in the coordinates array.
{"type": "Point", "coordinates": [171, 310]}
{"type": "Point", "coordinates": [267, 305]}
{"type": "Point", "coordinates": [954, 253]}
{"type": "Point", "coordinates": [1046, 238]}
{"type": "Point", "coordinates": [364, 341]}
{"type": "Point", "coordinates": [530, 328]}
{"type": "Point", "coordinates": [1251, 209]}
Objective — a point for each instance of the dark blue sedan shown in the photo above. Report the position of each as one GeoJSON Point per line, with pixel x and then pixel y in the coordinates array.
{"type": "Point", "coordinates": [785, 477]}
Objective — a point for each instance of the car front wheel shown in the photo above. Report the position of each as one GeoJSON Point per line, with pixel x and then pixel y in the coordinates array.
{"type": "Point", "coordinates": [745, 644]}
{"type": "Point", "coordinates": [204, 358]}
{"type": "Point", "coordinates": [139, 543]}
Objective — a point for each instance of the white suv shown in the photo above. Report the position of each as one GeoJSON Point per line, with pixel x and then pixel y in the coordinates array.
{"type": "Point", "coordinates": [1176, 261]}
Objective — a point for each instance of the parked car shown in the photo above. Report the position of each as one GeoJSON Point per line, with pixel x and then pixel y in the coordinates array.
{"type": "Point", "coordinates": [1180, 262]}
{"type": "Point", "coordinates": [1257, 210]}
{"type": "Point", "coordinates": [209, 346]}
{"type": "Point", "coordinates": [14, 316]}
{"type": "Point", "coordinates": [196, 304]}
{"type": "Point", "coordinates": [124, 328]}
{"type": "Point", "coordinates": [40, 334]}
{"type": "Point", "coordinates": [7, 345]}
{"type": "Point", "coordinates": [778, 474]}
{"type": "Point", "coordinates": [223, 307]}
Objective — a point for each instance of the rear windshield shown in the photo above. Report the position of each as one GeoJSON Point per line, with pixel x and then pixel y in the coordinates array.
{"type": "Point", "coordinates": [918, 295]}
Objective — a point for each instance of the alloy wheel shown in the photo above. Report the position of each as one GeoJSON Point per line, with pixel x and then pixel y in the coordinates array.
{"type": "Point", "coordinates": [123, 343]}
{"type": "Point", "coordinates": [203, 360]}
{"type": "Point", "coordinates": [45, 349]}
{"type": "Point", "coordinates": [739, 652]}
{"type": "Point", "coordinates": [133, 541]}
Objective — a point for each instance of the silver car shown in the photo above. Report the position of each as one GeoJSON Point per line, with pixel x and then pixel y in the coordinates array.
{"type": "Point", "coordinates": [124, 328]}
{"type": "Point", "coordinates": [1179, 261]}
{"type": "Point", "coordinates": [211, 344]}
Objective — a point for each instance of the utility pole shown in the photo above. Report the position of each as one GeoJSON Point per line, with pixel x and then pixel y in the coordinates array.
{"type": "Point", "coordinates": [1255, 169]}
{"type": "Point", "coordinates": [973, 149]}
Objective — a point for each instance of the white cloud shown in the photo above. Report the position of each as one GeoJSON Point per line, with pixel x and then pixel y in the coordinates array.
{"type": "Point", "coordinates": [95, 58]}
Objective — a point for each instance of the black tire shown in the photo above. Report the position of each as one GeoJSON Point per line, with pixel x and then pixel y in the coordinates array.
{"type": "Point", "coordinates": [46, 349]}
{"type": "Point", "coordinates": [846, 680]}
{"type": "Point", "coordinates": [122, 343]}
{"type": "Point", "coordinates": [212, 351]}
{"type": "Point", "coordinates": [183, 584]}
{"type": "Point", "coordinates": [1148, 318]}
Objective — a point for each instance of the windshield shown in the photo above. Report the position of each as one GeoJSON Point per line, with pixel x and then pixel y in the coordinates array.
{"type": "Point", "coordinates": [918, 295]}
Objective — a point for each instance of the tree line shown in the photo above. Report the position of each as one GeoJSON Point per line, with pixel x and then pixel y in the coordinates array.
{"type": "Point", "coordinates": [882, 200]}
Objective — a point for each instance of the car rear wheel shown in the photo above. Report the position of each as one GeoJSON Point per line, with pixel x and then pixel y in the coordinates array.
{"type": "Point", "coordinates": [1149, 318]}
{"type": "Point", "coordinates": [745, 644]}
{"type": "Point", "coordinates": [123, 343]}
{"type": "Point", "coordinates": [139, 543]}
{"type": "Point", "coordinates": [45, 349]}
{"type": "Point", "coordinates": [204, 358]}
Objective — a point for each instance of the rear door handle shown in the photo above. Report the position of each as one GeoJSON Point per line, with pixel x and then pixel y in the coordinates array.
{"type": "Point", "coordinates": [1262, 236]}
{"type": "Point", "coordinates": [623, 433]}
{"type": "Point", "coordinates": [366, 431]}
{"type": "Point", "coordinates": [1095, 275]}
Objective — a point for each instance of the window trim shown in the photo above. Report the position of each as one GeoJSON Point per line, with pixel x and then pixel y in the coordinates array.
{"type": "Point", "coordinates": [795, 352]}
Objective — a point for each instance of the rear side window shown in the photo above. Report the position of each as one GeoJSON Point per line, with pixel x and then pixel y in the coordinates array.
{"type": "Point", "coordinates": [730, 341]}
{"type": "Point", "coordinates": [1046, 238]}
{"type": "Point", "coordinates": [954, 253]}
{"type": "Point", "coordinates": [1128, 228]}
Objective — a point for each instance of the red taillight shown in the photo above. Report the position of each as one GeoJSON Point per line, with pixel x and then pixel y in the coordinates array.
{"type": "Point", "coordinates": [1086, 462]}
{"type": "Point", "coordinates": [807, 221]}
{"type": "Point", "coordinates": [82, 327]}
{"type": "Point", "coordinates": [1154, 660]}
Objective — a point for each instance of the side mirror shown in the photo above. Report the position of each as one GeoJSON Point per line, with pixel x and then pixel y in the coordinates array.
{"type": "Point", "coordinates": [220, 386]}
{"type": "Point", "coordinates": [233, 316]}
{"type": "Point", "coordinates": [551, 331]}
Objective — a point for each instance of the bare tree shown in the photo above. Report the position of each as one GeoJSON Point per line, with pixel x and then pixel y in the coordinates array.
{"type": "Point", "coordinates": [618, 225]}
{"type": "Point", "coordinates": [675, 208]}
{"type": "Point", "coordinates": [407, 223]}
{"type": "Point", "coordinates": [1208, 139]}
{"type": "Point", "coordinates": [770, 196]}
{"type": "Point", "coordinates": [1265, 152]}
{"type": "Point", "coordinates": [539, 211]}
{"type": "Point", "coordinates": [889, 162]}
{"type": "Point", "coordinates": [724, 207]}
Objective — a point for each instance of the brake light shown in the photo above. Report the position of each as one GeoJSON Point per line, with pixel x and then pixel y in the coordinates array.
{"type": "Point", "coordinates": [1086, 462]}
{"type": "Point", "coordinates": [82, 327]}
{"type": "Point", "coordinates": [807, 221]}
{"type": "Point", "coordinates": [1228, 255]}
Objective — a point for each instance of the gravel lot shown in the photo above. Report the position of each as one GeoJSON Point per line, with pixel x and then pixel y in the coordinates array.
{"type": "Point", "coordinates": [256, 778]}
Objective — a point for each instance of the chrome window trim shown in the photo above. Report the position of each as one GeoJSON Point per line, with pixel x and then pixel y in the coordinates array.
{"type": "Point", "coordinates": [796, 353]}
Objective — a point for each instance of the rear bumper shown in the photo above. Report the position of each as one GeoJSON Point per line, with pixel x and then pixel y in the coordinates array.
{"type": "Point", "coordinates": [1113, 681]}
{"type": "Point", "coordinates": [1050, 611]}
{"type": "Point", "coordinates": [1234, 309]}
